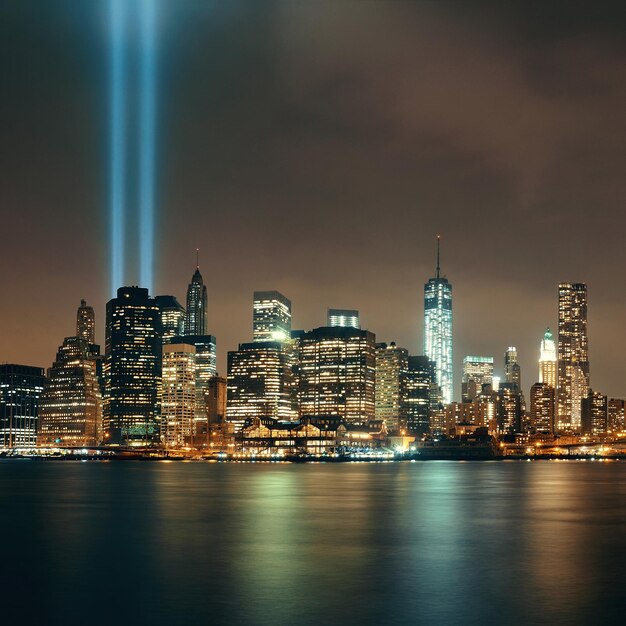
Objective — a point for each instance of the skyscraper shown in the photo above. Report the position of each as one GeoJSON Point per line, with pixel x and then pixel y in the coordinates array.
{"type": "Point", "coordinates": [70, 411]}
{"type": "Point", "coordinates": [417, 394]}
{"type": "Point", "coordinates": [178, 400]}
{"type": "Point", "coordinates": [542, 407]}
{"type": "Point", "coordinates": [337, 369]}
{"type": "Point", "coordinates": [172, 317]}
{"type": "Point", "coordinates": [477, 371]}
{"type": "Point", "coordinates": [271, 317]}
{"type": "Point", "coordinates": [438, 330]}
{"type": "Point", "coordinates": [594, 414]}
{"type": "Point", "coordinates": [547, 360]}
{"type": "Point", "coordinates": [132, 368]}
{"type": "Point", "coordinates": [86, 323]}
{"type": "Point", "coordinates": [20, 392]}
{"type": "Point", "coordinates": [343, 317]}
{"type": "Point", "coordinates": [195, 319]}
{"type": "Point", "coordinates": [258, 383]}
{"type": "Point", "coordinates": [512, 370]}
{"type": "Point", "coordinates": [391, 364]}
{"type": "Point", "coordinates": [573, 356]}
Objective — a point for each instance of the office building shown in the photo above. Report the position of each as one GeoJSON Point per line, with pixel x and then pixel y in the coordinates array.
{"type": "Point", "coordinates": [418, 397]}
{"type": "Point", "coordinates": [616, 415]}
{"type": "Point", "coordinates": [337, 370]}
{"type": "Point", "coordinates": [547, 360]}
{"type": "Point", "coordinates": [70, 411]}
{"type": "Point", "coordinates": [391, 364]}
{"type": "Point", "coordinates": [542, 397]}
{"type": "Point", "coordinates": [438, 330]}
{"type": "Point", "coordinates": [86, 323]}
{"type": "Point", "coordinates": [132, 368]}
{"type": "Point", "coordinates": [172, 317]}
{"type": "Point", "coordinates": [196, 313]}
{"type": "Point", "coordinates": [512, 370]}
{"type": "Point", "coordinates": [20, 392]}
{"type": "Point", "coordinates": [271, 317]}
{"type": "Point", "coordinates": [573, 356]}
{"type": "Point", "coordinates": [594, 414]}
{"type": "Point", "coordinates": [343, 317]}
{"type": "Point", "coordinates": [509, 408]}
{"type": "Point", "coordinates": [477, 371]}
{"type": "Point", "coordinates": [259, 384]}
{"type": "Point", "coordinates": [178, 400]}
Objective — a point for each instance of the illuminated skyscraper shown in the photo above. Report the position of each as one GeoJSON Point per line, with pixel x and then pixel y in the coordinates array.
{"type": "Point", "coordinates": [573, 356]}
{"type": "Point", "coordinates": [547, 360]}
{"type": "Point", "coordinates": [512, 370]}
{"type": "Point", "coordinates": [132, 368]}
{"type": "Point", "coordinates": [391, 364]}
{"type": "Point", "coordinates": [542, 407]}
{"type": "Point", "coordinates": [178, 399]}
{"type": "Point", "coordinates": [259, 383]}
{"type": "Point", "coordinates": [616, 410]}
{"type": "Point", "coordinates": [20, 393]}
{"type": "Point", "coordinates": [195, 319]}
{"type": "Point", "coordinates": [172, 317]}
{"type": "Point", "coordinates": [206, 368]}
{"type": "Point", "coordinates": [477, 371]}
{"type": "Point", "coordinates": [594, 414]}
{"type": "Point", "coordinates": [343, 317]}
{"type": "Point", "coordinates": [70, 411]}
{"type": "Point", "coordinates": [337, 369]}
{"type": "Point", "coordinates": [271, 317]}
{"type": "Point", "coordinates": [86, 323]}
{"type": "Point", "coordinates": [417, 394]}
{"type": "Point", "coordinates": [438, 330]}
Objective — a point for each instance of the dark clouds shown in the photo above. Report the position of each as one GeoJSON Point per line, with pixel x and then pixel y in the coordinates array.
{"type": "Point", "coordinates": [317, 148]}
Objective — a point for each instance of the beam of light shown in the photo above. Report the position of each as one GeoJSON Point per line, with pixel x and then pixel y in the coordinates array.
{"type": "Point", "coordinates": [118, 142]}
{"type": "Point", "coordinates": [147, 142]}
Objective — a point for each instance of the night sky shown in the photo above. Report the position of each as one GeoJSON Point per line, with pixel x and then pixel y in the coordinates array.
{"type": "Point", "coordinates": [318, 148]}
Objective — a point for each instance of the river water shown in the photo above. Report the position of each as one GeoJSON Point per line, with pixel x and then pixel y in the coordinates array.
{"type": "Point", "coordinates": [354, 543]}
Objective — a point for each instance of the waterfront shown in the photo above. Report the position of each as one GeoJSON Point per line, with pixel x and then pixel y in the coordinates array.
{"type": "Point", "coordinates": [400, 543]}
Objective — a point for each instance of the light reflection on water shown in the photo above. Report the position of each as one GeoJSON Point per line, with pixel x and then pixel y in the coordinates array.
{"type": "Point", "coordinates": [412, 543]}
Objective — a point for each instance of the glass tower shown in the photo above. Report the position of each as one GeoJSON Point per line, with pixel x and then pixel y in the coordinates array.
{"type": "Point", "coordinates": [573, 357]}
{"type": "Point", "coordinates": [271, 316]}
{"type": "Point", "coordinates": [132, 368]}
{"type": "Point", "coordinates": [438, 330]}
{"type": "Point", "coordinates": [195, 319]}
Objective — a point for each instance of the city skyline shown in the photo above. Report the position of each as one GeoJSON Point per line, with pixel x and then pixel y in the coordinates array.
{"type": "Point", "coordinates": [400, 173]}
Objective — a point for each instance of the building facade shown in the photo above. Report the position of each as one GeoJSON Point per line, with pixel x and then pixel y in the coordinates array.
{"type": "Point", "coordinates": [542, 405]}
{"type": "Point", "coordinates": [271, 317]}
{"type": "Point", "coordinates": [391, 365]}
{"type": "Point", "coordinates": [512, 370]}
{"type": "Point", "coordinates": [70, 412]}
{"type": "Point", "coordinates": [20, 392]}
{"type": "Point", "coordinates": [417, 394]}
{"type": "Point", "coordinates": [547, 360]}
{"type": "Point", "coordinates": [594, 414]}
{"type": "Point", "coordinates": [438, 330]}
{"type": "Point", "coordinates": [132, 368]}
{"type": "Point", "coordinates": [86, 323]}
{"type": "Point", "coordinates": [196, 313]}
{"type": "Point", "coordinates": [573, 356]}
{"type": "Point", "coordinates": [477, 371]}
{"type": "Point", "coordinates": [258, 384]}
{"type": "Point", "coordinates": [343, 317]}
{"type": "Point", "coordinates": [337, 372]}
{"type": "Point", "coordinates": [172, 317]}
{"type": "Point", "coordinates": [178, 399]}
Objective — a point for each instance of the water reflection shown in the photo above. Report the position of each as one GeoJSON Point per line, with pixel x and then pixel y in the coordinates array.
{"type": "Point", "coordinates": [415, 543]}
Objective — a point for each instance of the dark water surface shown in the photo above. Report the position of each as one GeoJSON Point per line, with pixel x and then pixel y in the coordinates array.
{"type": "Point", "coordinates": [405, 543]}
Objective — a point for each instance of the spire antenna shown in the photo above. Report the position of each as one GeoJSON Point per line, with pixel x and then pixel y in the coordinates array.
{"type": "Point", "coordinates": [438, 268]}
{"type": "Point", "coordinates": [198, 258]}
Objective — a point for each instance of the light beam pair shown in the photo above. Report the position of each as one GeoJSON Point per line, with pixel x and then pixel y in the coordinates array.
{"type": "Point", "coordinates": [118, 15]}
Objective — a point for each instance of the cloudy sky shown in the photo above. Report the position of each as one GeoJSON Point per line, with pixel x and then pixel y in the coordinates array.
{"type": "Point", "coordinates": [318, 147]}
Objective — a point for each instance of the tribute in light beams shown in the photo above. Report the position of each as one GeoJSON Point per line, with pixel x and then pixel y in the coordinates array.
{"type": "Point", "coordinates": [118, 143]}
{"type": "Point", "coordinates": [147, 142]}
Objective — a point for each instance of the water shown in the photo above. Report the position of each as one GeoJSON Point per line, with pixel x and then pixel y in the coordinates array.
{"type": "Point", "coordinates": [407, 543]}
